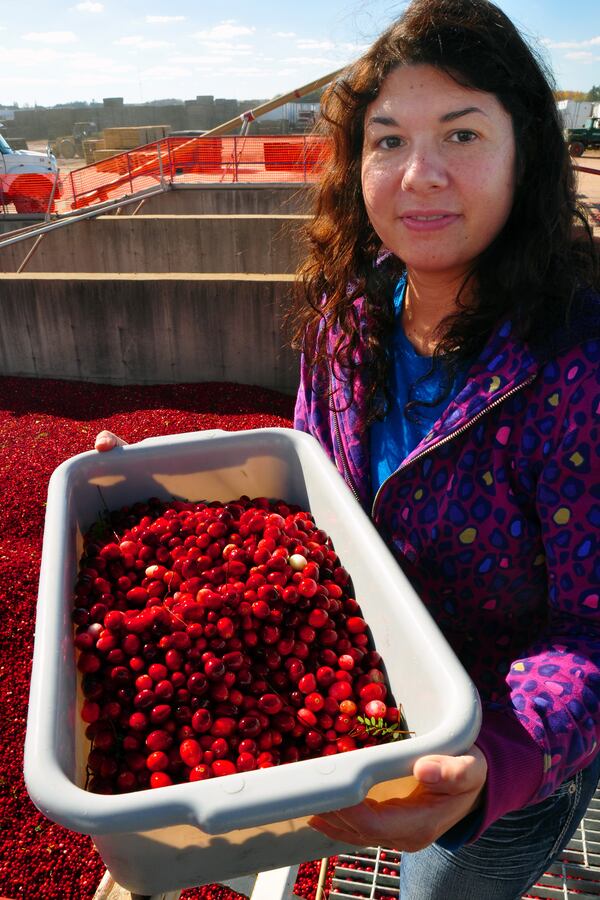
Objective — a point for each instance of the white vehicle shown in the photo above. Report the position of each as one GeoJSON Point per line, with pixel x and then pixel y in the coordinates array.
{"type": "Point", "coordinates": [26, 178]}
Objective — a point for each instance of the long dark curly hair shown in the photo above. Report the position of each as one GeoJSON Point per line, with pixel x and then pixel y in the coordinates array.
{"type": "Point", "coordinates": [535, 265]}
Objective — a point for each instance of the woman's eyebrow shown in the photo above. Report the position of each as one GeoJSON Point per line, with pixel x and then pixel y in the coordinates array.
{"type": "Point", "coordinates": [456, 114]}
{"type": "Point", "coordinates": [382, 120]}
{"type": "Point", "coordinates": [447, 117]}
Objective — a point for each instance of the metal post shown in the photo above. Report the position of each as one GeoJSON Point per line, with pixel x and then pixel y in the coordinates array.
{"type": "Point", "coordinates": [160, 165]}
{"type": "Point", "coordinates": [30, 253]}
{"type": "Point", "coordinates": [129, 172]}
{"type": "Point", "coordinates": [51, 198]}
{"type": "Point", "coordinates": [320, 894]}
{"type": "Point", "coordinates": [73, 191]}
{"type": "Point", "coordinates": [304, 156]}
{"type": "Point", "coordinates": [235, 160]}
{"type": "Point", "coordinates": [170, 160]}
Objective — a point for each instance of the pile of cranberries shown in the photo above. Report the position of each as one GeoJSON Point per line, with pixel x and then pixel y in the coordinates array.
{"type": "Point", "coordinates": [217, 638]}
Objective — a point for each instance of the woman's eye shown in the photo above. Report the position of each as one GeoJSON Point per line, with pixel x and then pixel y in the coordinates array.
{"type": "Point", "coordinates": [464, 137]}
{"type": "Point", "coordinates": [389, 142]}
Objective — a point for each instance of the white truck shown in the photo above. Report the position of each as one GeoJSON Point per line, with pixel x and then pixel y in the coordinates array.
{"type": "Point", "coordinates": [26, 179]}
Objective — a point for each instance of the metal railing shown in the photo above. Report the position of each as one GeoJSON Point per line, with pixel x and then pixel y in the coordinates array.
{"type": "Point", "coordinates": [198, 160]}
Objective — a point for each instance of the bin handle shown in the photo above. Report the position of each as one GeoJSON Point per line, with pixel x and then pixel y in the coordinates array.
{"type": "Point", "coordinates": [208, 434]}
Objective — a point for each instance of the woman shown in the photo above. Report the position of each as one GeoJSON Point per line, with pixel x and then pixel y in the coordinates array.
{"type": "Point", "coordinates": [450, 369]}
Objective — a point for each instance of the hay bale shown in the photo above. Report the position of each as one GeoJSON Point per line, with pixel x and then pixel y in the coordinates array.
{"type": "Point", "coordinates": [134, 136]}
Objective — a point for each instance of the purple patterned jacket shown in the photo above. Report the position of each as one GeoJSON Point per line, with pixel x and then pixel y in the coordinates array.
{"type": "Point", "coordinates": [495, 519]}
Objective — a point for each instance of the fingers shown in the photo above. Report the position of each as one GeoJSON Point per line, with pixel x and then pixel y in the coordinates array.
{"type": "Point", "coordinates": [332, 828]}
{"type": "Point", "coordinates": [377, 824]}
{"type": "Point", "coordinates": [106, 440]}
{"type": "Point", "coordinates": [452, 774]}
{"type": "Point", "coordinates": [449, 788]}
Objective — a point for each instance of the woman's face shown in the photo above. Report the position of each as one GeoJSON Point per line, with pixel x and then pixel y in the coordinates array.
{"type": "Point", "coordinates": [438, 169]}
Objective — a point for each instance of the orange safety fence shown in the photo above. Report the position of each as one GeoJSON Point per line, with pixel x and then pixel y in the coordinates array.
{"type": "Point", "coordinates": [27, 192]}
{"type": "Point", "coordinates": [199, 160]}
{"type": "Point", "coordinates": [178, 160]}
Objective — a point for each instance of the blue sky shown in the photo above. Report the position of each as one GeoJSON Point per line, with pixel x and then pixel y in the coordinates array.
{"type": "Point", "coordinates": [54, 51]}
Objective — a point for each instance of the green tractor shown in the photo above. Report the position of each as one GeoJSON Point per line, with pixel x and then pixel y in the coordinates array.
{"type": "Point", "coordinates": [71, 146]}
{"type": "Point", "coordinates": [586, 138]}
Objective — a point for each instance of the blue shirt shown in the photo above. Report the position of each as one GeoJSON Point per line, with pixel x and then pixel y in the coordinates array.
{"type": "Point", "coordinates": [396, 436]}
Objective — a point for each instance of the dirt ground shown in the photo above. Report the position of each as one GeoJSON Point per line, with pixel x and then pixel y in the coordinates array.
{"type": "Point", "coordinates": [589, 185]}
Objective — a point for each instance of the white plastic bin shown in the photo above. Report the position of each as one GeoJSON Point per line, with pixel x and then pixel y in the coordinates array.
{"type": "Point", "coordinates": [190, 834]}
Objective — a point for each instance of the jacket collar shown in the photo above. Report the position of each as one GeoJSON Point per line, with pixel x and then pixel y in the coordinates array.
{"type": "Point", "coordinates": [504, 365]}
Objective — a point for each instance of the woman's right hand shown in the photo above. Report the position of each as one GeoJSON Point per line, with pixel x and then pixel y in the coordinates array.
{"type": "Point", "coordinates": [106, 440]}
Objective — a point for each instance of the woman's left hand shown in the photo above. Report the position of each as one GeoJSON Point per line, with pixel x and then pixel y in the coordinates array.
{"type": "Point", "coordinates": [448, 789]}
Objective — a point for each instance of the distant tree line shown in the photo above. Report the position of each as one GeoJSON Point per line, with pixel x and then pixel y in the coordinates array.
{"type": "Point", "coordinates": [592, 94]}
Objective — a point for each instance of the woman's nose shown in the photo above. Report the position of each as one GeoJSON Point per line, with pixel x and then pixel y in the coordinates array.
{"type": "Point", "coordinates": [424, 170]}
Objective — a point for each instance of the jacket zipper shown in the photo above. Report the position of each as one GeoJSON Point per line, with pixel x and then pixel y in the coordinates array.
{"type": "Point", "coordinates": [452, 435]}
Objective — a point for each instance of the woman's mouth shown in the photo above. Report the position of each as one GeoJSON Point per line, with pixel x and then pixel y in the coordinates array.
{"type": "Point", "coordinates": [430, 221]}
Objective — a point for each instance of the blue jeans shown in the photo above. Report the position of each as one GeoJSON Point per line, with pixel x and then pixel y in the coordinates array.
{"type": "Point", "coordinates": [511, 854]}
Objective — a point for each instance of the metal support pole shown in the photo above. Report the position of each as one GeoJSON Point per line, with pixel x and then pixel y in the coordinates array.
{"type": "Point", "coordinates": [320, 894]}
{"type": "Point", "coordinates": [129, 173]}
{"type": "Point", "coordinates": [99, 210]}
{"type": "Point", "coordinates": [170, 160]}
{"type": "Point", "coordinates": [51, 197]}
{"type": "Point", "coordinates": [160, 166]}
{"type": "Point", "coordinates": [32, 250]}
{"type": "Point", "coordinates": [73, 191]}
{"type": "Point", "coordinates": [304, 156]}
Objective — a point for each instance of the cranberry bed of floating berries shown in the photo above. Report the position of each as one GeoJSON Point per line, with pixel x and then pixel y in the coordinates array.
{"type": "Point", "coordinates": [42, 423]}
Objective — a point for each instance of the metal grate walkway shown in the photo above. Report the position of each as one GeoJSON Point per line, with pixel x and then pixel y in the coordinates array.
{"type": "Point", "coordinates": [576, 876]}
{"type": "Point", "coordinates": [372, 873]}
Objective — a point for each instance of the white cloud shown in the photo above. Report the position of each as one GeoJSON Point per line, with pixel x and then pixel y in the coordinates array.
{"type": "Point", "coordinates": [25, 57]}
{"type": "Point", "coordinates": [137, 42]}
{"type": "Point", "coordinates": [164, 20]}
{"type": "Point", "coordinates": [352, 48]}
{"type": "Point", "coordinates": [34, 57]}
{"type": "Point", "coordinates": [89, 6]}
{"type": "Point", "coordinates": [285, 34]}
{"type": "Point", "coordinates": [570, 45]}
{"type": "Point", "coordinates": [225, 47]}
{"type": "Point", "coordinates": [245, 70]}
{"type": "Point", "coordinates": [583, 56]}
{"type": "Point", "coordinates": [164, 73]}
{"type": "Point", "coordinates": [312, 61]}
{"type": "Point", "coordinates": [183, 60]}
{"type": "Point", "coordinates": [224, 31]}
{"type": "Point", "coordinates": [51, 37]}
{"type": "Point", "coordinates": [309, 44]}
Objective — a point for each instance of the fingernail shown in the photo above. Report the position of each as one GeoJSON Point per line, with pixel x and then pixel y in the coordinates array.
{"type": "Point", "coordinates": [430, 774]}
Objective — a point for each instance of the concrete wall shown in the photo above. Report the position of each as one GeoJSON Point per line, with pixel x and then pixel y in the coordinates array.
{"type": "Point", "coordinates": [147, 329]}
{"type": "Point", "coordinates": [233, 199]}
{"type": "Point", "coordinates": [226, 199]}
{"type": "Point", "coordinates": [160, 297]}
{"type": "Point", "coordinates": [165, 243]}
{"type": "Point", "coordinates": [16, 222]}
